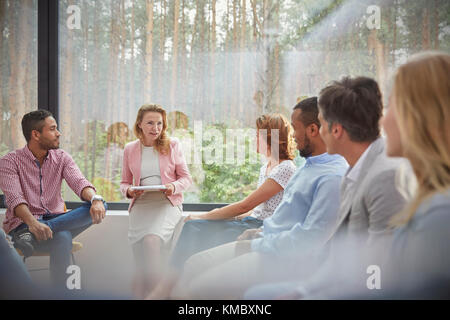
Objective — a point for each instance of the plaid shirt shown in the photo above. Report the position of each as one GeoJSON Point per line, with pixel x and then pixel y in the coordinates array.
{"type": "Point", "coordinates": [23, 180]}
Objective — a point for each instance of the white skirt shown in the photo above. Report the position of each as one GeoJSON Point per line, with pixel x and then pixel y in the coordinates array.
{"type": "Point", "coordinates": [153, 214]}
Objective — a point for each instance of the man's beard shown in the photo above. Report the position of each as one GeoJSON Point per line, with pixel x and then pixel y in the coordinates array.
{"type": "Point", "coordinates": [306, 151]}
{"type": "Point", "coordinates": [47, 145]}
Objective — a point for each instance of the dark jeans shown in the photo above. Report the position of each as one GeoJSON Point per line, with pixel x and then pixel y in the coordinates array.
{"type": "Point", "coordinates": [200, 235]}
{"type": "Point", "coordinates": [65, 227]}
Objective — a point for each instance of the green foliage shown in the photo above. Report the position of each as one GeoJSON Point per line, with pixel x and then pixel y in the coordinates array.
{"type": "Point", "coordinates": [228, 183]}
{"type": "Point", "coordinates": [219, 181]}
{"type": "Point", "coordinates": [108, 189]}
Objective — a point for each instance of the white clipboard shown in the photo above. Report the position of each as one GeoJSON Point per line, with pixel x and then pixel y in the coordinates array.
{"type": "Point", "coordinates": [149, 188]}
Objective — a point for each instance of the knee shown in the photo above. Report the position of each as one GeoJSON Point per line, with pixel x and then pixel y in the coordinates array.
{"type": "Point", "coordinates": [152, 242]}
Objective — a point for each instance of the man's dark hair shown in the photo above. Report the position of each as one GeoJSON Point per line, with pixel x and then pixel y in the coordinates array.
{"type": "Point", "coordinates": [34, 121]}
{"type": "Point", "coordinates": [356, 104]}
{"type": "Point", "coordinates": [310, 111]}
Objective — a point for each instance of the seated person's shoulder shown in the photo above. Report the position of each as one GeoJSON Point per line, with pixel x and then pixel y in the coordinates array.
{"type": "Point", "coordinates": [435, 210]}
{"type": "Point", "coordinates": [392, 171]}
{"type": "Point", "coordinates": [61, 155]}
{"type": "Point", "coordinates": [290, 164]}
{"type": "Point", "coordinates": [330, 178]}
{"type": "Point", "coordinates": [10, 157]}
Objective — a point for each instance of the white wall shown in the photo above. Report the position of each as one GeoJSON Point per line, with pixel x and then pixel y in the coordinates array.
{"type": "Point", "coordinates": [106, 260]}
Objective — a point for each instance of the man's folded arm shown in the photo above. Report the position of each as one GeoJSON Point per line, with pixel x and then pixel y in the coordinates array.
{"type": "Point", "coordinates": [75, 179]}
{"type": "Point", "coordinates": [310, 235]}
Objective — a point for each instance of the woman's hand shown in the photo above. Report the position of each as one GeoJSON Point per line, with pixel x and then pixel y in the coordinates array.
{"type": "Point", "coordinates": [134, 193]}
{"type": "Point", "coordinates": [170, 189]}
{"type": "Point", "coordinates": [192, 217]}
{"type": "Point", "coordinates": [250, 234]}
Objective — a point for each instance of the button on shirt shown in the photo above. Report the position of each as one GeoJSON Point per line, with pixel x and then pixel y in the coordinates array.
{"type": "Point", "coordinates": [24, 181]}
{"type": "Point", "coordinates": [308, 211]}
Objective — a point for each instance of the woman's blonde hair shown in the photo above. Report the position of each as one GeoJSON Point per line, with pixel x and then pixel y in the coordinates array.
{"type": "Point", "coordinates": [275, 121]}
{"type": "Point", "coordinates": [162, 144]}
{"type": "Point", "coordinates": [422, 100]}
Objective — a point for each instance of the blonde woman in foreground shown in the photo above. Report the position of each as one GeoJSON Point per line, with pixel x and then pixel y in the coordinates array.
{"type": "Point", "coordinates": [417, 128]}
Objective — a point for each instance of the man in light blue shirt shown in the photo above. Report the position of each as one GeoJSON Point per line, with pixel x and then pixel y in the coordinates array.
{"type": "Point", "coordinates": [300, 224]}
{"type": "Point", "coordinates": [306, 216]}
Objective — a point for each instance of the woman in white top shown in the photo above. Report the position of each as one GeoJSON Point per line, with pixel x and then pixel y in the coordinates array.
{"type": "Point", "coordinates": [219, 226]}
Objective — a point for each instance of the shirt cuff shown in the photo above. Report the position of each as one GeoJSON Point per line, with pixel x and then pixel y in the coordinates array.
{"type": "Point", "coordinates": [84, 186]}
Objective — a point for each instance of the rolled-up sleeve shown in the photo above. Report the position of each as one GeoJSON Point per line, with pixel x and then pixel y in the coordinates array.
{"type": "Point", "coordinates": [74, 177]}
{"type": "Point", "coordinates": [10, 183]}
{"type": "Point", "coordinates": [304, 237]}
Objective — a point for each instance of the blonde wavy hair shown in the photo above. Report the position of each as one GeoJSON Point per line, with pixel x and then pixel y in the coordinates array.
{"type": "Point", "coordinates": [162, 144]}
{"type": "Point", "coordinates": [422, 95]}
{"type": "Point", "coordinates": [286, 138]}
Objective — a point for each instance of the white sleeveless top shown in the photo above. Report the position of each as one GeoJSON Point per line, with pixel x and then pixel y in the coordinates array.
{"type": "Point", "coordinates": [150, 172]}
{"type": "Point", "coordinates": [281, 174]}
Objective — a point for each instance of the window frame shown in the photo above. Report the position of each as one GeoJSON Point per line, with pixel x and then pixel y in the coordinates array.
{"type": "Point", "coordinates": [48, 86]}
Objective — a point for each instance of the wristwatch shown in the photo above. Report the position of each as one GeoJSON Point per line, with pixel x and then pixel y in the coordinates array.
{"type": "Point", "coordinates": [96, 197]}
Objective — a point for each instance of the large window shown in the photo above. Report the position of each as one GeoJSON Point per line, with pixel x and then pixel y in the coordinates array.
{"type": "Point", "coordinates": [18, 69]}
{"type": "Point", "coordinates": [215, 66]}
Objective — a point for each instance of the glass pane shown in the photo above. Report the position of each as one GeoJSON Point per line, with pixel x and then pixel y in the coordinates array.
{"type": "Point", "coordinates": [18, 69]}
{"type": "Point", "coordinates": [217, 65]}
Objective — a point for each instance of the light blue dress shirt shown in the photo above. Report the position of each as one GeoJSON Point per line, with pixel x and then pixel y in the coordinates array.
{"type": "Point", "coordinates": [309, 209]}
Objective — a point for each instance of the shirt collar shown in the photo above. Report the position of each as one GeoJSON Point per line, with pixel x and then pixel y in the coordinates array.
{"type": "Point", "coordinates": [30, 154]}
{"type": "Point", "coordinates": [321, 158]}
{"type": "Point", "coordinates": [354, 172]}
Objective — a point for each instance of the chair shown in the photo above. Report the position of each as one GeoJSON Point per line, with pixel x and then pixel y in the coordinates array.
{"type": "Point", "coordinates": [76, 246]}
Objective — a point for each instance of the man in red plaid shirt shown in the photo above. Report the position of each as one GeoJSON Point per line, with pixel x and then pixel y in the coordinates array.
{"type": "Point", "coordinates": [30, 179]}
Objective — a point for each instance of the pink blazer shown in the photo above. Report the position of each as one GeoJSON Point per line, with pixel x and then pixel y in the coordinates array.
{"type": "Point", "coordinates": [172, 166]}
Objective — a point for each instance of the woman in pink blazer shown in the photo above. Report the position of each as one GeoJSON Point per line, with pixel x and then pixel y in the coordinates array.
{"type": "Point", "coordinates": [153, 159]}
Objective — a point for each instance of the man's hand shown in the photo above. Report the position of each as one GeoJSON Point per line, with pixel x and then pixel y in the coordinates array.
{"type": "Point", "coordinates": [40, 230]}
{"type": "Point", "coordinates": [250, 234]}
{"type": "Point", "coordinates": [97, 211]}
{"type": "Point", "coordinates": [242, 247]}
